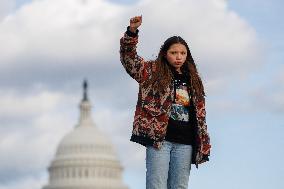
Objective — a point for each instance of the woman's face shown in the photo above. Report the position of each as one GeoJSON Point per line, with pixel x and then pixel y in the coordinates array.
{"type": "Point", "coordinates": [176, 55]}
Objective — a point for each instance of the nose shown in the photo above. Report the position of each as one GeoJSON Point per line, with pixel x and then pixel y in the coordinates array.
{"type": "Point", "coordinates": [178, 56]}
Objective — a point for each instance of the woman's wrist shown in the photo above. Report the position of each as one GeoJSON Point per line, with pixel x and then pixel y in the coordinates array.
{"type": "Point", "coordinates": [132, 33]}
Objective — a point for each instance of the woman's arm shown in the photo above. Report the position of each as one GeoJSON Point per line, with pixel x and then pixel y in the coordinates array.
{"type": "Point", "coordinates": [203, 134]}
{"type": "Point", "coordinates": [135, 65]}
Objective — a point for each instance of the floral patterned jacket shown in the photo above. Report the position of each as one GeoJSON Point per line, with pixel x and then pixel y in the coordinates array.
{"type": "Point", "coordinates": [153, 107]}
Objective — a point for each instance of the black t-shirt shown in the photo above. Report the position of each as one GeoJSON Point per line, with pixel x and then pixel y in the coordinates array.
{"type": "Point", "coordinates": [180, 125]}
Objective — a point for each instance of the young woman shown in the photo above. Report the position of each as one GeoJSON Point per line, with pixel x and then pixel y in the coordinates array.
{"type": "Point", "coordinates": [170, 112]}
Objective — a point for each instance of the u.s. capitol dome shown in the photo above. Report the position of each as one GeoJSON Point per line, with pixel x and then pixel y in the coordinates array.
{"type": "Point", "coordinates": [85, 159]}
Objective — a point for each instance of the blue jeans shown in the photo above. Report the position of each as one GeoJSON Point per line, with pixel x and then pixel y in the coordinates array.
{"type": "Point", "coordinates": [169, 167]}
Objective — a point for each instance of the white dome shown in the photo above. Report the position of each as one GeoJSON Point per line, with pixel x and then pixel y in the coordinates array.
{"type": "Point", "coordinates": [85, 158]}
{"type": "Point", "coordinates": [84, 142]}
{"type": "Point", "coordinates": [84, 135]}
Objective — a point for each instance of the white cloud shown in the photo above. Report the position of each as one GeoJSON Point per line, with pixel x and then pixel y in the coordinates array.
{"type": "Point", "coordinates": [14, 104]}
{"type": "Point", "coordinates": [27, 146]}
{"type": "Point", "coordinates": [6, 6]}
{"type": "Point", "coordinates": [71, 30]}
{"type": "Point", "coordinates": [63, 30]}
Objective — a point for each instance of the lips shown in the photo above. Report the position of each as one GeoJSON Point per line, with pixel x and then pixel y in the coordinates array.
{"type": "Point", "coordinates": [178, 63]}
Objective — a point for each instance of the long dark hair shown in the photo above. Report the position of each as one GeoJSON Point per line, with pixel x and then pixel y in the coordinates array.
{"type": "Point", "coordinates": [163, 70]}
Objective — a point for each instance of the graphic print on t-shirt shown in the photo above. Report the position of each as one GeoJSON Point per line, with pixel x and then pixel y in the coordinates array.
{"type": "Point", "coordinates": [179, 110]}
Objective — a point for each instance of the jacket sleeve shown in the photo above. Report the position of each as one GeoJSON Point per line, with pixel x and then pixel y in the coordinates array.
{"type": "Point", "coordinates": [135, 66]}
{"type": "Point", "coordinates": [204, 138]}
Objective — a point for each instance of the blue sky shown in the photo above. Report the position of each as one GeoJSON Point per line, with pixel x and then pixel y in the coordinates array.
{"type": "Point", "coordinates": [238, 46]}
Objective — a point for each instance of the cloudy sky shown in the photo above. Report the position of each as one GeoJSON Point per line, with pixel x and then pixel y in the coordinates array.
{"type": "Point", "coordinates": [49, 46]}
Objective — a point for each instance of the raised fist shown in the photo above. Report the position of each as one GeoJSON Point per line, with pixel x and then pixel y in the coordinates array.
{"type": "Point", "coordinates": [135, 22]}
